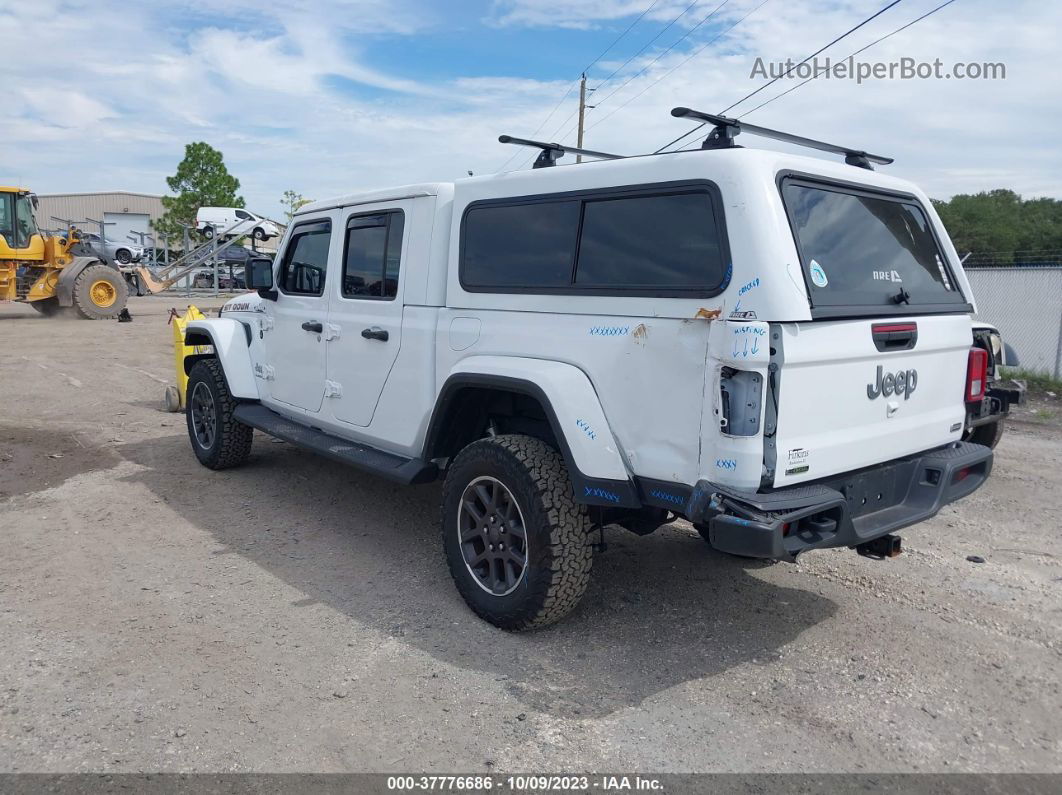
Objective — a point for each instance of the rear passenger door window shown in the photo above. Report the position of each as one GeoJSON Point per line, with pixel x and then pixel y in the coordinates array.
{"type": "Point", "coordinates": [373, 255]}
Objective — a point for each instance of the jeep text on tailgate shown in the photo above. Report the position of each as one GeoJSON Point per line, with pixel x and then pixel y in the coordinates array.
{"type": "Point", "coordinates": [776, 348]}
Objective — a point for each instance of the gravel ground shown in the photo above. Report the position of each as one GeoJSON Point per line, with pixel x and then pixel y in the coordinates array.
{"type": "Point", "coordinates": [293, 615]}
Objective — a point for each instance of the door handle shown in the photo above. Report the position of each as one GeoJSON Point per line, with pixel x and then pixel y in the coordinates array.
{"type": "Point", "coordinates": [314, 326]}
{"type": "Point", "coordinates": [375, 333]}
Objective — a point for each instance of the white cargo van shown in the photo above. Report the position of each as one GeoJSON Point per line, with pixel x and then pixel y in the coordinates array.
{"type": "Point", "coordinates": [231, 221]}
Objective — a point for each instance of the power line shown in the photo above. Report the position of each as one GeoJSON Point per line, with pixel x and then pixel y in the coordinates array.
{"type": "Point", "coordinates": [674, 44]}
{"type": "Point", "coordinates": [645, 68]}
{"type": "Point", "coordinates": [671, 71]}
{"type": "Point", "coordinates": [616, 41]}
{"type": "Point", "coordinates": [543, 124]}
{"type": "Point", "coordinates": [852, 55]}
{"type": "Point", "coordinates": [817, 52]}
{"type": "Point", "coordinates": [847, 33]}
{"type": "Point", "coordinates": [616, 71]}
{"type": "Point", "coordinates": [648, 44]}
{"type": "Point", "coordinates": [571, 87]}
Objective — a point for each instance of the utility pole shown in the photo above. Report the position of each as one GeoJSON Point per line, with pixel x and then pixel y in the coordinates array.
{"type": "Point", "coordinates": [582, 115]}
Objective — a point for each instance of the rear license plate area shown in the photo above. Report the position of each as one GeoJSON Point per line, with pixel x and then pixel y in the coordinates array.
{"type": "Point", "coordinates": [877, 489]}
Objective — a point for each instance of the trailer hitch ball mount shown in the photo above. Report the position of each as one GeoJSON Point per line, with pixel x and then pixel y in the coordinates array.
{"type": "Point", "coordinates": [886, 546]}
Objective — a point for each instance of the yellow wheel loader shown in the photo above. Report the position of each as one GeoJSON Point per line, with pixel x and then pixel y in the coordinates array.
{"type": "Point", "coordinates": [43, 271]}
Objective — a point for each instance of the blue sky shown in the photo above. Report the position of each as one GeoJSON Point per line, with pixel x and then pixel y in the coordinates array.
{"type": "Point", "coordinates": [331, 96]}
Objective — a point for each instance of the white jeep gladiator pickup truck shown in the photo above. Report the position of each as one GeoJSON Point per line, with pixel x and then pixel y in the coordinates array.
{"type": "Point", "coordinates": [777, 348]}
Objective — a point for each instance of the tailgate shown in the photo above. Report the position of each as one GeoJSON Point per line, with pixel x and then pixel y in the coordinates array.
{"type": "Point", "coordinates": [854, 393]}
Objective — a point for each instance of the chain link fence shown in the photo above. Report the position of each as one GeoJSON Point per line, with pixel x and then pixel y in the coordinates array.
{"type": "Point", "coordinates": [1025, 304]}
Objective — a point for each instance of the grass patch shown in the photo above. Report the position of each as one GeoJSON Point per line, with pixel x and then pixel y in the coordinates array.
{"type": "Point", "coordinates": [1036, 381]}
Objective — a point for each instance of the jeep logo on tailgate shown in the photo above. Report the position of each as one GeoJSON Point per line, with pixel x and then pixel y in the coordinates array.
{"type": "Point", "coordinates": [902, 382]}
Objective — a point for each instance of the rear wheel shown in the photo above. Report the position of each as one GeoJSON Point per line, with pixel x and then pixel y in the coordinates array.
{"type": "Point", "coordinates": [517, 543]}
{"type": "Point", "coordinates": [208, 232]}
{"type": "Point", "coordinates": [988, 434]}
{"type": "Point", "coordinates": [46, 306]}
{"type": "Point", "coordinates": [219, 441]}
{"type": "Point", "coordinates": [99, 292]}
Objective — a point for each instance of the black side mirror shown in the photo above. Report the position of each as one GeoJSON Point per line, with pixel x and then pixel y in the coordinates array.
{"type": "Point", "coordinates": [259, 274]}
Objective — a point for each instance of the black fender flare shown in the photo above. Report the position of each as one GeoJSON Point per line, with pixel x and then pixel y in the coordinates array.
{"type": "Point", "coordinates": [64, 288]}
{"type": "Point", "coordinates": [588, 490]}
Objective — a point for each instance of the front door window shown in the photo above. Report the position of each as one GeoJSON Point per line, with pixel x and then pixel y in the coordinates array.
{"type": "Point", "coordinates": [25, 224]}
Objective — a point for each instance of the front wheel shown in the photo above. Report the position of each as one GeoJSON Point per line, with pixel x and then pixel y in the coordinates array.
{"type": "Point", "coordinates": [123, 256]}
{"type": "Point", "coordinates": [100, 292]}
{"type": "Point", "coordinates": [219, 441]}
{"type": "Point", "coordinates": [517, 544]}
{"type": "Point", "coordinates": [259, 233]}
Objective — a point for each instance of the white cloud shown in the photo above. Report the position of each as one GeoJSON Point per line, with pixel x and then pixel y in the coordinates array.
{"type": "Point", "coordinates": [83, 118]}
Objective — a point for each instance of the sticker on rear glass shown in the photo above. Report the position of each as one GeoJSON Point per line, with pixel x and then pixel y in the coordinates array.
{"type": "Point", "coordinates": [818, 275]}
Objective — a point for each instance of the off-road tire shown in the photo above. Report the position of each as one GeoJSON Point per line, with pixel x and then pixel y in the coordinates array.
{"type": "Point", "coordinates": [83, 292]}
{"type": "Point", "coordinates": [231, 441]}
{"type": "Point", "coordinates": [258, 233]}
{"type": "Point", "coordinates": [47, 306]}
{"type": "Point", "coordinates": [988, 434]}
{"type": "Point", "coordinates": [558, 542]}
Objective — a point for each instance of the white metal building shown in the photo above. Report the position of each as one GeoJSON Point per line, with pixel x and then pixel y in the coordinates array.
{"type": "Point", "coordinates": [126, 212]}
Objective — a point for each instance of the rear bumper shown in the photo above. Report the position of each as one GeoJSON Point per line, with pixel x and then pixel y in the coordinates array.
{"type": "Point", "coordinates": [842, 511]}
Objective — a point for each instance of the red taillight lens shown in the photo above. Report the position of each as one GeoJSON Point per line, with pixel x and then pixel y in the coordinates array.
{"type": "Point", "coordinates": [976, 373]}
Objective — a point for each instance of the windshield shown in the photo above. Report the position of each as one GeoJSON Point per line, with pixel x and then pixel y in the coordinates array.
{"type": "Point", "coordinates": [866, 251]}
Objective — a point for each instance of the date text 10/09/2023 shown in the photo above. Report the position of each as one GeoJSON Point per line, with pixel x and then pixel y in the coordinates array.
{"type": "Point", "coordinates": [524, 783]}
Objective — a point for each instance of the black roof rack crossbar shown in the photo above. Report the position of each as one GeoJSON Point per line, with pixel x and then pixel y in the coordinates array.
{"type": "Point", "coordinates": [725, 128]}
{"type": "Point", "coordinates": [551, 153]}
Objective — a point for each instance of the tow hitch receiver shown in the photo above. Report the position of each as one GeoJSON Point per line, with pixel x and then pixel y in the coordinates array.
{"type": "Point", "coordinates": [886, 546]}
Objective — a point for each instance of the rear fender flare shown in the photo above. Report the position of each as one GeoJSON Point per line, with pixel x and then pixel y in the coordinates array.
{"type": "Point", "coordinates": [595, 462]}
{"type": "Point", "coordinates": [231, 343]}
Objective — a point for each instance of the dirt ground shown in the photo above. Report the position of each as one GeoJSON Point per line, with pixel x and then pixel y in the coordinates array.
{"type": "Point", "coordinates": [293, 615]}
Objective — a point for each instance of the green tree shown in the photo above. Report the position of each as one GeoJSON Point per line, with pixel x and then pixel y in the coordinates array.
{"type": "Point", "coordinates": [202, 180]}
{"type": "Point", "coordinates": [1000, 227]}
{"type": "Point", "coordinates": [292, 201]}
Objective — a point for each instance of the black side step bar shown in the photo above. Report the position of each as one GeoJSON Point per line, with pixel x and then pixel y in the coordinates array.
{"type": "Point", "coordinates": [368, 459]}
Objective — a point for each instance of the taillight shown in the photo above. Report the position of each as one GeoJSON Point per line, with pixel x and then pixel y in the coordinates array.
{"type": "Point", "coordinates": [976, 373]}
